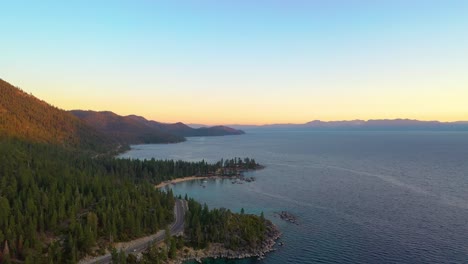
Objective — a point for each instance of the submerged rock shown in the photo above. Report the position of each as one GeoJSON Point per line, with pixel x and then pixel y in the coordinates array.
{"type": "Point", "coordinates": [288, 217]}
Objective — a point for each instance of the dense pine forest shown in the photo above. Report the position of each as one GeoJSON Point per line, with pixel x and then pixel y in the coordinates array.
{"type": "Point", "coordinates": [203, 227]}
{"type": "Point", "coordinates": [234, 231]}
{"type": "Point", "coordinates": [64, 196]}
{"type": "Point", "coordinates": [57, 205]}
{"type": "Point", "coordinates": [156, 171]}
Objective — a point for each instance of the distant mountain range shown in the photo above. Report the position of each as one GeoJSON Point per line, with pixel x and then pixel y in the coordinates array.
{"type": "Point", "coordinates": [26, 117]}
{"type": "Point", "coordinates": [137, 129]}
{"type": "Point", "coordinates": [23, 116]}
{"type": "Point", "coordinates": [373, 124]}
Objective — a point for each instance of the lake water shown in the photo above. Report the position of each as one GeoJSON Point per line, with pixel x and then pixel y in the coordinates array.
{"type": "Point", "coordinates": [360, 197]}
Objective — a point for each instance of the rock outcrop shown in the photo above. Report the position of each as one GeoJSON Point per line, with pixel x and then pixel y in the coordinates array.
{"type": "Point", "coordinates": [288, 217]}
{"type": "Point", "coordinates": [216, 250]}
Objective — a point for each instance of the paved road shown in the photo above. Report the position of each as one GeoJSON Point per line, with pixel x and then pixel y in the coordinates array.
{"type": "Point", "coordinates": [176, 228]}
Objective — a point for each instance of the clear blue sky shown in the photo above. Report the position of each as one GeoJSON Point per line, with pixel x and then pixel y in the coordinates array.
{"type": "Point", "coordinates": [242, 61]}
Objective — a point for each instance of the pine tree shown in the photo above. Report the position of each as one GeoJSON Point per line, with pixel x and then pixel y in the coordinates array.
{"type": "Point", "coordinates": [172, 249]}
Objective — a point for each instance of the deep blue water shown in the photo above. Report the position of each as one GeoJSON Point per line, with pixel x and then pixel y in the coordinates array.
{"type": "Point", "coordinates": [361, 197]}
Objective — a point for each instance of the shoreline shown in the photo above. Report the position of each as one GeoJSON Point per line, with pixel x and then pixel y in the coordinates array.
{"type": "Point", "coordinates": [194, 178]}
{"type": "Point", "coordinates": [238, 176]}
{"type": "Point", "coordinates": [184, 179]}
{"type": "Point", "coordinates": [218, 251]}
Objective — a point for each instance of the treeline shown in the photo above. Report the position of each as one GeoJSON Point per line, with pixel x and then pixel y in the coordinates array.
{"type": "Point", "coordinates": [234, 231]}
{"type": "Point", "coordinates": [238, 163]}
{"type": "Point", "coordinates": [156, 171]}
{"type": "Point", "coordinates": [57, 205]}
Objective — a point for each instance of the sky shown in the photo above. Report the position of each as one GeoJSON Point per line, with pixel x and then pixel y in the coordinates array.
{"type": "Point", "coordinates": [242, 61]}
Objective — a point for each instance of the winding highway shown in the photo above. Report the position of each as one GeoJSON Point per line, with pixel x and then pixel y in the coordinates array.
{"type": "Point", "coordinates": [142, 244]}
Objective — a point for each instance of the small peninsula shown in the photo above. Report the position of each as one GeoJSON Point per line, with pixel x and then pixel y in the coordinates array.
{"type": "Point", "coordinates": [232, 169]}
{"type": "Point", "coordinates": [216, 233]}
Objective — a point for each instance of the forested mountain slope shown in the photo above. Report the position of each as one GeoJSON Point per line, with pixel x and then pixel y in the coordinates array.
{"type": "Point", "coordinates": [23, 116]}
{"type": "Point", "coordinates": [137, 129]}
{"type": "Point", "coordinates": [125, 129]}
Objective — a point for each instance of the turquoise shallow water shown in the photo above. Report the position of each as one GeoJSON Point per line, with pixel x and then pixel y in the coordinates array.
{"type": "Point", "coordinates": [361, 197]}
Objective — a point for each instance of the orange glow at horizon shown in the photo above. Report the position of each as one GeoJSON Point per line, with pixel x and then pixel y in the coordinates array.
{"type": "Point", "coordinates": [245, 62]}
{"type": "Point", "coordinates": [170, 108]}
{"type": "Point", "coordinates": [277, 106]}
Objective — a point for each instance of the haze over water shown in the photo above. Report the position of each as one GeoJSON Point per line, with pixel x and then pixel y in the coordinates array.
{"type": "Point", "coordinates": [361, 197]}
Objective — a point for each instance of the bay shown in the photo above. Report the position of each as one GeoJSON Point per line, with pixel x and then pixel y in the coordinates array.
{"type": "Point", "coordinates": [360, 197]}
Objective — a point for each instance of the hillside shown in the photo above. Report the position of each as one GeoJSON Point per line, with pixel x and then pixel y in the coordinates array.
{"type": "Point", "coordinates": [216, 131]}
{"type": "Point", "coordinates": [126, 129]}
{"type": "Point", "coordinates": [25, 117]}
{"type": "Point", "coordinates": [137, 129]}
{"type": "Point", "coordinates": [184, 130]}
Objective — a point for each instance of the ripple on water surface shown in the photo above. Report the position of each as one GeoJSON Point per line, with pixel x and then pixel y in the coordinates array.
{"type": "Point", "coordinates": [361, 197]}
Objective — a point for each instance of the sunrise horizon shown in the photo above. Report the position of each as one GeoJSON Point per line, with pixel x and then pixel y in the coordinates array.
{"type": "Point", "coordinates": [131, 109]}
{"type": "Point", "coordinates": [243, 62]}
{"type": "Point", "coordinates": [209, 122]}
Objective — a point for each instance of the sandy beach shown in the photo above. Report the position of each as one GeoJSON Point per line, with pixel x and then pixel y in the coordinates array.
{"type": "Point", "coordinates": [191, 178]}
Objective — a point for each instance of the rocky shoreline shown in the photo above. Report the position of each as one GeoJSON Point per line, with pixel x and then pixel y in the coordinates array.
{"type": "Point", "coordinates": [219, 251]}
